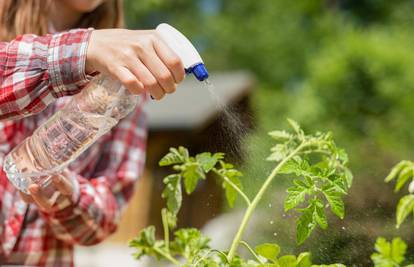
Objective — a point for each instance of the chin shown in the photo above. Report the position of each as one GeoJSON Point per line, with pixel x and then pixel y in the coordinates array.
{"type": "Point", "coordinates": [83, 5]}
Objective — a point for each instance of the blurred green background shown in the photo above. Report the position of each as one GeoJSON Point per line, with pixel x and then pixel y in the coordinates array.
{"type": "Point", "coordinates": [341, 65]}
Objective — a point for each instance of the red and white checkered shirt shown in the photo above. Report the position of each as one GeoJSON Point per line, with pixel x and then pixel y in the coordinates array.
{"type": "Point", "coordinates": [34, 72]}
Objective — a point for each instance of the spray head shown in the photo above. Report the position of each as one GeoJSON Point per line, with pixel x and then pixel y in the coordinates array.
{"type": "Point", "coordinates": [184, 49]}
{"type": "Point", "coordinates": [199, 71]}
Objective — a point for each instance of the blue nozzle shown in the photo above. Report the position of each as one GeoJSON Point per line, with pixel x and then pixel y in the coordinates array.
{"type": "Point", "coordinates": [199, 71]}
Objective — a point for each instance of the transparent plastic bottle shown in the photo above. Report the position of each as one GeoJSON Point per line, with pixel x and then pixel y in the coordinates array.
{"type": "Point", "coordinates": [60, 140]}
{"type": "Point", "coordinates": [89, 115]}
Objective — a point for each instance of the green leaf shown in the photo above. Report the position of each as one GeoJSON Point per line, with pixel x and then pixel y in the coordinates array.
{"type": "Point", "coordinates": [173, 192]}
{"type": "Point", "coordinates": [304, 260]}
{"type": "Point", "coordinates": [294, 125]}
{"type": "Point", "coordinates": [268, 251]}
{"type": "Point", "coordinates": [188, 242]}
{"type": "Point", "coordinates": [279, 152]}
{"type": "Point", "coordinates": [280, 135]}
{"type": "Point", "coordinates": [335, 201]}
{"type": "Point", "coordinates": [208, 161]}
{"type": "Point", "coordinates": [287, 261]}
{"type": "Point", "coordinates": [389, 254]}
{"type": "Point", "coordinates": [175, 156]}
{"type": "Point", "coordinates": [231, 193]}
{"type": "Point", "coordinates": [398, 249]}
{"type": "Point", "coordinates": [145, 243]}
{"type": "Point", "coordinates": [404, 208]}
{"type": "Point", "coordinates": [319, 214]}
{"type": "Point", "coordinates": [192, 173]}
{"type": "Point", "coordinates": [348, 177]}
{"type": "Point", "coordinates": [397, 169]}
{"type": "Point", "coordinates": [304, 226]}
{"type": "Point", "coordinates": [296, 165]}
{"type": "Point", "coordinates": [296, 195]}
{"type": "Point", "coordinates": [403, 177]}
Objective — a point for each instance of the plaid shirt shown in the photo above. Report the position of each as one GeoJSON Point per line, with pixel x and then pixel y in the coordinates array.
{"type": "Point", "coordinates": [34, 71]}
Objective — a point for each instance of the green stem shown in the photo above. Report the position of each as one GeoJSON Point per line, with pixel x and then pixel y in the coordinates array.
{"type": "Point", "coordinates": [251, 251]}
{"type": "Point", "coordinates": [168, 257]}
{"type": "Point", "coordinates": [258, 197]}
{"type": "Point", "coordinates": [166, 229]}
{"type": "Point", "coordinates": [235, 187]}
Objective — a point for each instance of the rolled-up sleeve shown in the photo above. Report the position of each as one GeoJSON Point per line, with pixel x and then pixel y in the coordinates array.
{"type": "Point", "coordinates": [35, 70]}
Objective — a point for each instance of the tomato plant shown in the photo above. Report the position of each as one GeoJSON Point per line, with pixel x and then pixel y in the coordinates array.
{"type": "Point", "coordinates": [320, 179]}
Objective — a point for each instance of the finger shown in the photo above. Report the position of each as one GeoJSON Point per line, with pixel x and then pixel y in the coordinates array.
{"type": "Point", "coordinates": [158, 69]}
{"type": "Point", "coordinates": [147, 78]}
{"type": "Point", "coordinates": [39, 198]}
{"type": "Point", "coordinates": [26, 198]}
{"type": "Point", "coordinates": [128, 80]}
{"type": "Point", "coordinates": [62, 184]}
{"type": "Point", "coordinates": [171, 60]}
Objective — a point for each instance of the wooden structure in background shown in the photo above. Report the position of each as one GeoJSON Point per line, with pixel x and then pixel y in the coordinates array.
{"type": "Point", "coordinates": [191, 117]}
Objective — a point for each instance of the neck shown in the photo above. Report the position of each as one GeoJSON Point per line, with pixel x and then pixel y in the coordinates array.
{"type": "Point", "coordinates": [63, 17]}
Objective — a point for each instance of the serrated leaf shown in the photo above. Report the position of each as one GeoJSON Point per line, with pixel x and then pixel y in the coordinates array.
{"type": "Point", "coordinates": [280, 135]}
{"type": "Point", "coordinates": [231, 193]}
{"type": "Point", "coordinates": [389, 253]}
{"type": "Point", "coordinates": [404, 208]}
{"type": "Point", "coordinates": [287, 261]}
{"type": "Point", "coordinates": [304, 226]}
{"type": "Point", "coordinates": [319, 214]}
{"type": "Point", "coordinates": [208, 161]}
{"type": "Point", "coordinates": [173, 192]}
{"type": "Point", "coordinates": [145, 243]}
{"type": "Point", "coordinates": [398, 249]}
{"type": "Point", "coordinates": [295, 166]}
{"type": "Point", "coordinates": [296, 196]}
{"type": "Point", "coordinates": [335, 201]}
{"type": "Point", "coordinates": [175, 156]}
{"type": "Point", "coordinates": [188, 242]}
{"type": "Point", "coordinates": [279, 152]}
{"type": "Point", "coordinates": [268, 251]}
{"type": "Point", "coordinates": [192, 173]}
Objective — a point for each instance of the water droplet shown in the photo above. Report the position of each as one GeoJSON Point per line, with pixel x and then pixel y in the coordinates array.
{"type": "Point", "coordinates": [272, 222]}
{"type": "Point", "coordinates": [270, 205]}
{"type": "Point", "coordinates": [274, 234]}
{"type": "Point", "coordinates": [343, 228]}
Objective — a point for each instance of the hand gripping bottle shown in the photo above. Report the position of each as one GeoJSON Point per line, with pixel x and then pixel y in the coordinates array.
{"type": "Point", "coordinates": [89, 115]}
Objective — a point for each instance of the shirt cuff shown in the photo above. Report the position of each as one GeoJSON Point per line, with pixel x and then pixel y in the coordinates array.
{"type": "Point", "coordinates": [66, 61]}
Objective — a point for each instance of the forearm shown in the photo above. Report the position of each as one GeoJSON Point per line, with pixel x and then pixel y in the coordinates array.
{"type": "Point", "coordinates": [35, 70]}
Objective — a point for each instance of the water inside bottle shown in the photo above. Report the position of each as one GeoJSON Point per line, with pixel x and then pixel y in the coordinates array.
{"type": "Point", "coordinates": [52, 147]}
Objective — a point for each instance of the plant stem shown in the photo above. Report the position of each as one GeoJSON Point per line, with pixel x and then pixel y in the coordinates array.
{"type": "Point", "coordinates": [251, 251]}
{"type": "Point", "coordinates": [256, 200]}
{"type": "Point", "coordinates": [235, 187]}
{"type": "Point", "coordinates": [166, 229]}
{"type": "Point", "coordinates": [168, 257]}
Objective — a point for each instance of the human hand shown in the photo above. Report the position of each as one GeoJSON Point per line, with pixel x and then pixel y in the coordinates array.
{"type": "Point", "coordinates": [43, 199]}
{"type": "Point", "coordinates": [139, 59]}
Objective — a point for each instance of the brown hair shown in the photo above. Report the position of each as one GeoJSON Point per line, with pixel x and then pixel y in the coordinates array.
{"type": "Point", "coordinates": [31, 16]}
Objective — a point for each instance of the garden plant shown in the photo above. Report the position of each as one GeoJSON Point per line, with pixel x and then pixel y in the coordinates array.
{"type": "Point", "coordinates": [320, 179]}
{"type": "Point", "coordinates": [392, 254]}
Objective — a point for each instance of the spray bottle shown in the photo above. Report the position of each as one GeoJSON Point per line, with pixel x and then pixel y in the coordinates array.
{"type": "Point", "coordinates": [89, 115]}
